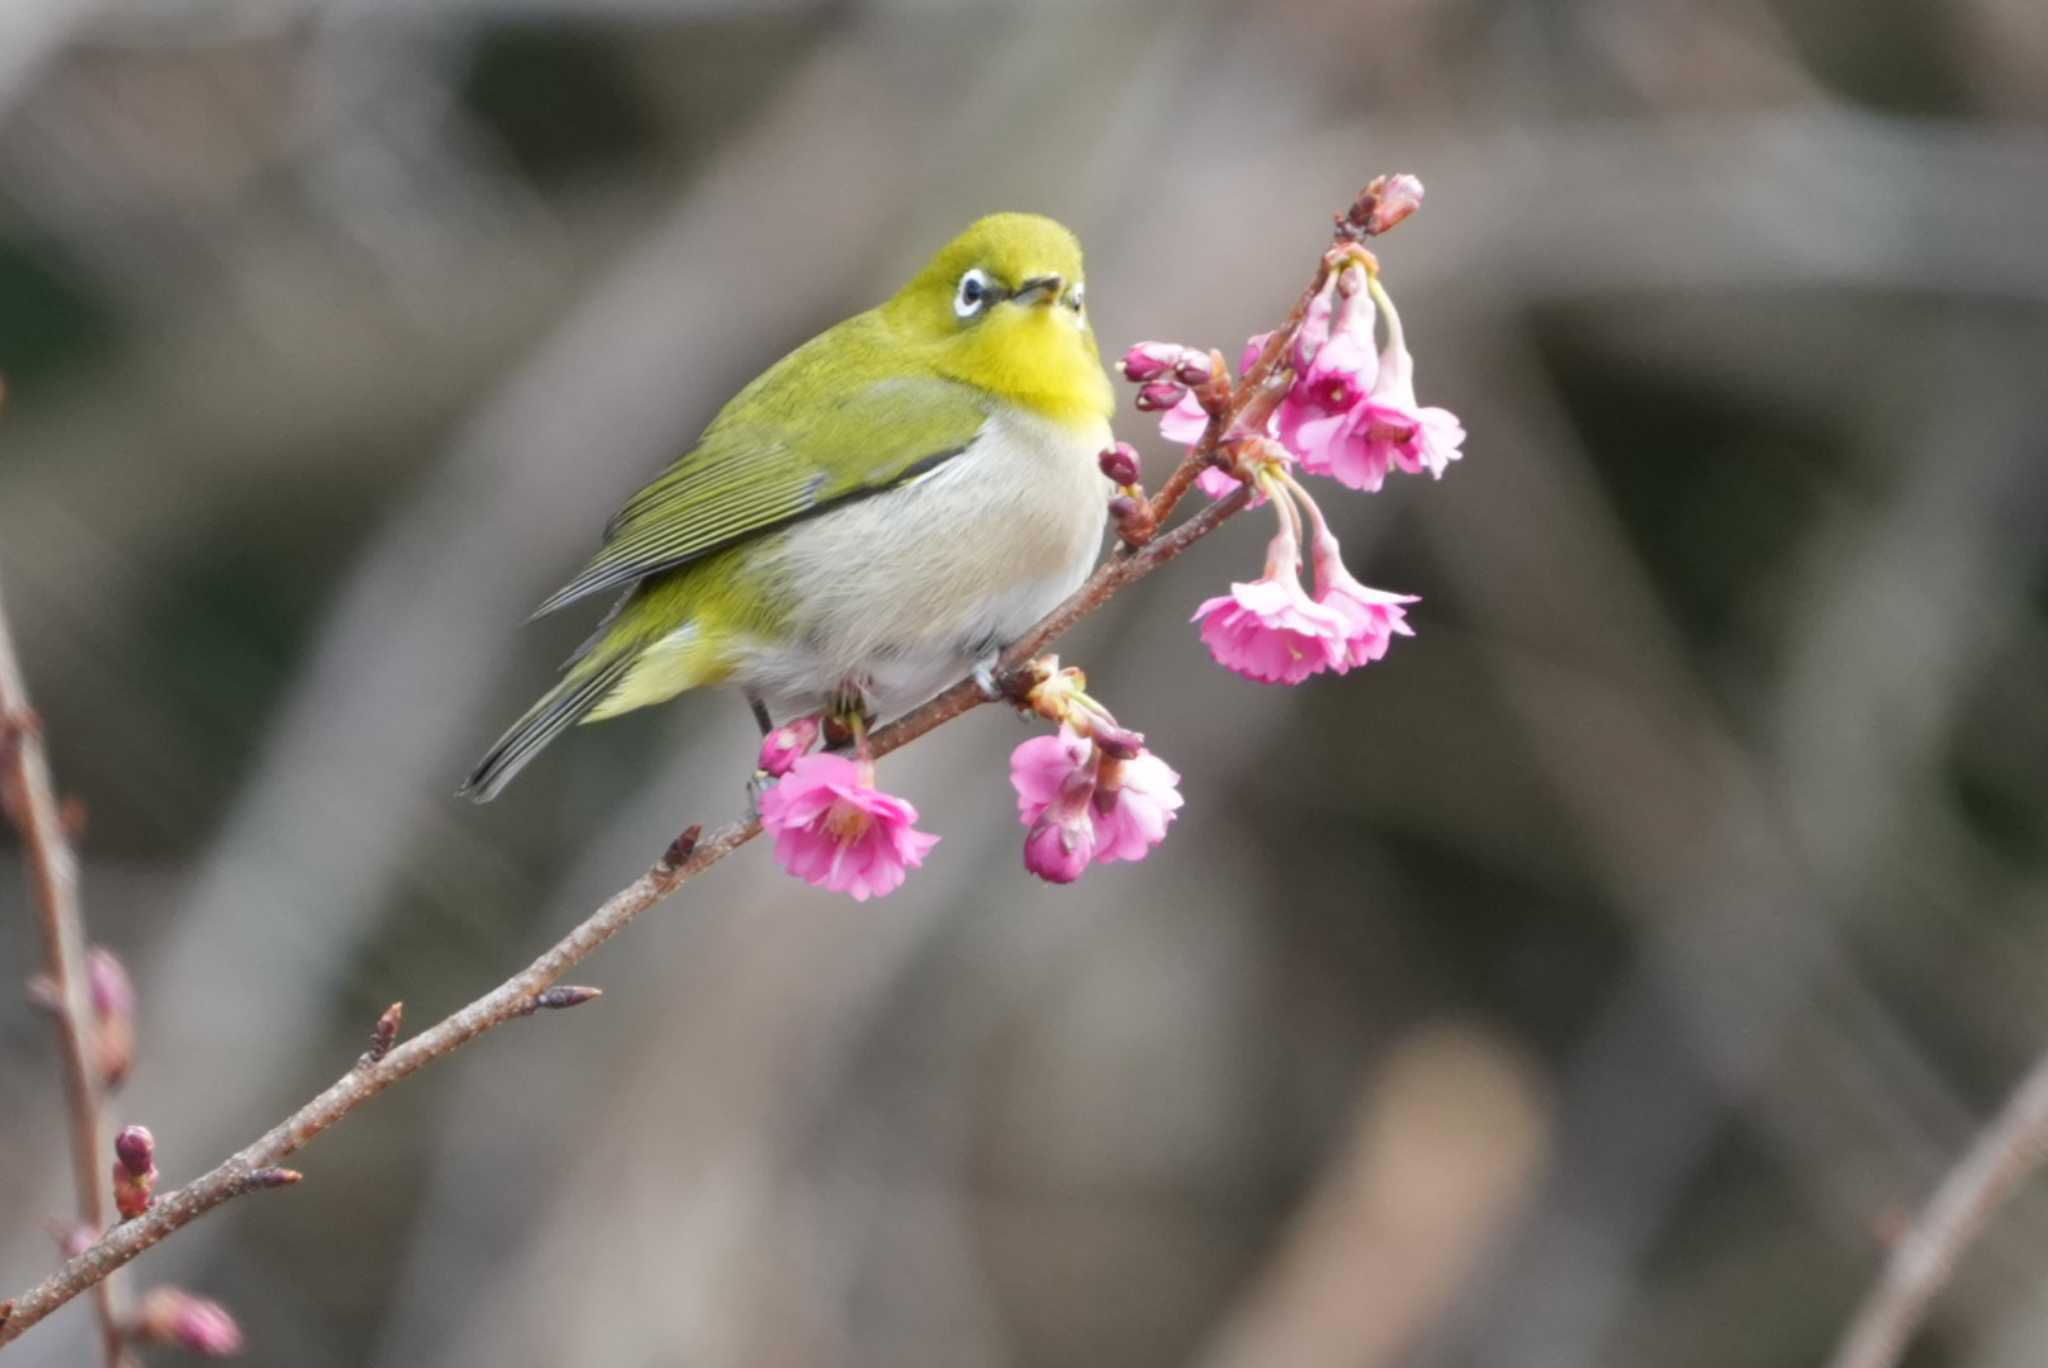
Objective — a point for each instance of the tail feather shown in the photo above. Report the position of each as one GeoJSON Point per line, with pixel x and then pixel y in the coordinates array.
{"type": "Point", "coordinates": [559, 709]}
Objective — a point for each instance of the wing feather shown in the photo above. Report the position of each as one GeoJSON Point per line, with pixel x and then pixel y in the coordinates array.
{"type": "Point", "coordinates": [784, 450]}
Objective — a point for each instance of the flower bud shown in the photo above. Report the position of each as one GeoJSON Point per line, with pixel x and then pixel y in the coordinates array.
{"type": "Point", "coordinates": [134, 1170]}
{"type": "Point", "coordinates": [174, 1317]}
{"type": "Point", "coordinates": [1160, 394]}
{"type": "Point", "coordinates": [113, 1006]}
{"type": "Point", "coordinates": [1058, 851]}
{"type": "Point", "coordinates": [783, 747]}
{"type": "Point", "coordinates": [1393, 199]}
{"type": "Point", "coordinates": [135, 1147]}
{"type": "Point", "coordinates": [1194, 368]}
{"type": "Point", "coordinates": [1149, 361]}
{"type": "Point", "coordinates": [1134, 521]}
{"type": "Point", "coordinates": [1120, 464]}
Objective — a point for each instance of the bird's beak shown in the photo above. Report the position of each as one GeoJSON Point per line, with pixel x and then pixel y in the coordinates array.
{"type": "Point", "coordinates": [1039, 290]}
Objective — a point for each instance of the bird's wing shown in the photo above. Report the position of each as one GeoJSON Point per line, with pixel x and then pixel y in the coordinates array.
{"type": "Point", "coordinates": [782, 450]}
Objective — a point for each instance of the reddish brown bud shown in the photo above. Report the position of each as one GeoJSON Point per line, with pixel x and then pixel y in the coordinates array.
{"type": "Point", "coordinates": [384, 1034]}
{"type": "Point", "coordinates": [1149, 361]}
{"type": "Point", "coordinates": [1134, 521]}
{"type": "Point", "coordinates": [1120, 464]}
{"type": "Point", "coordinates": [174, 1317]}
{"type": "Point", "coordinates": [134, 1171]}
{"type": "Point", "coordinates": [271, 1178]}
{"type": "Point", "coordinates": [1159, 395]}
{"type": "Point", "coordinates": [1382, 204]}
{"type": "Point", "coordinates": [136, 1149]}
{"type": "Point", "coordinates": [681, 849]}
{"type": "Point", "coordinates": [561, 996]}
{"type": "Point", "coordinates": [1194, 369]}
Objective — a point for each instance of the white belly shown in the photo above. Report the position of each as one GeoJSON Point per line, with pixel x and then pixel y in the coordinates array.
{"type": "Point", "coordinates": [908, 590]}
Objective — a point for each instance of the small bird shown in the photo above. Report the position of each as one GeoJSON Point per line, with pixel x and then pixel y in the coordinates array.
{"type": "Point", "coordinates": [875, 516]}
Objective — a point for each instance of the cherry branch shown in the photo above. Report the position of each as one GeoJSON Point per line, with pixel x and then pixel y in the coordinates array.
{"type": "Point", "coordinates": [2007, 1150]}
{"type": "Point", "coordinates": [256, 1166]}
{"type": "Point", "coordinates": [30, 802]}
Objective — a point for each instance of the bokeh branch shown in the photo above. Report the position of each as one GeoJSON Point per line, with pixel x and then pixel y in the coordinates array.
{"type": "Point", "coordinates": [2007, 1150]}
{"type": "Point", "coordinates": [257, 1165]}
{"type": "Point", "coordinates": [29, 800]}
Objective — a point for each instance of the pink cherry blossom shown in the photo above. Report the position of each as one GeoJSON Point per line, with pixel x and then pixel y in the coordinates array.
{"type": "Point", "coordinates": [1055, 777]}
{"type": "Point", "coordinates": [1372, 617]}
{"type": "Point", "coordinates": [1384, 429]}
{"type": "Point", "coordinates": [834, 829]}
{"type": "Point", "coordinates": [1269, 629]}
{"type": "Point", "coordinates": [1185, 422]}
{"type": "Point", "coordinates": [1043, 766]}
{"type": "Point", "coordinates": [1134, 801]}
{"type": "Point", "coordinates": [1083, 804]}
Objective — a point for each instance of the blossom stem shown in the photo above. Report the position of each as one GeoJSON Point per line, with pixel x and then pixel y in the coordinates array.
{"type": "Point", "coordinates": [1397, 342]}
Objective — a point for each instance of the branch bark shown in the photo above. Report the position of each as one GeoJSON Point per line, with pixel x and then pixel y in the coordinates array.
{"type": "Point", "coordinates": [30, 801]}
{"type": "Point", "coordinates": [690, 855]}
{"type": "Point", "coordinates": [1921, 1263]}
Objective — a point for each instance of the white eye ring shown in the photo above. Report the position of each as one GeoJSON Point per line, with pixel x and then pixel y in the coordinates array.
{"type": "Point", "coordinates": [973, 295]}
{"type": "Point", "coordinates": [1076, 295]}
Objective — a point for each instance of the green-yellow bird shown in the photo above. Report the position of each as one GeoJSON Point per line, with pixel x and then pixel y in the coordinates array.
{"type": "Point", "coordinates": [876, 515]}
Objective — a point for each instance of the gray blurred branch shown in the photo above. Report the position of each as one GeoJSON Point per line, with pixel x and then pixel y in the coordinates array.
{"type": "Point", "coordinates": [2008, 1150]}
{"type": "Point", "coordinates": [29, 800]}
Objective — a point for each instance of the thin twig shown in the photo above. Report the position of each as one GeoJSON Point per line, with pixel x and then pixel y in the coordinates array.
{"type": "Point", "coordinates": [30, 801]}
{"type": "Point", "coordinates": [690, 855]}
{"type": "Point", "coordinates": [2005, 1152]}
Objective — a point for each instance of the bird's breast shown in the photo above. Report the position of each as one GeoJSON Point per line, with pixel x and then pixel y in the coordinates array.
{"type": "Point", "coordinates": [922, 578]}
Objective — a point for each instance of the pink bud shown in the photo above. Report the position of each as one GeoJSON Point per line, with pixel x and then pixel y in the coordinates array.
{"type": "Point", "coordinates": [1387, 201]}
{"type": "Point", "coordinates": [113, 1004]}
{"type": "Point", "coordinates": [1058, 851]}
{"type": "Point", "coordinates": [1149, 361]}
{"type": "Point", "coordinates": [787, 744]}
{"type": "Point", "coordinates": [1194, 369]}
{"type": "Point", "coordinates": [136, 1149]}
{"type": "Point", "coordinates": [1120, 464]}
{"type": "Point", "coordinates": [1158, 395]}
{"type": "Point", "coordinates": [113, 993]}
{"type": "Point", "coordinates": [172, 1316]}
{"type": "Point", "coordinates": [134, 1171]}
{"type": "Point", "coordinates": [1134, 521]}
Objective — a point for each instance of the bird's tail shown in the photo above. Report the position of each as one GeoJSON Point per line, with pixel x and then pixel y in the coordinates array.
{"type": "Point", "coordinates": [562, 707]}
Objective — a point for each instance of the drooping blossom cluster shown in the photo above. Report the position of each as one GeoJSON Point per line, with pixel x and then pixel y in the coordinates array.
{"type": "Point", "coordinates": [1349, 413]}
{"type": "Point", "coordinates": [1328, 397]}
{"type": "Point", "coordinates": [1091, 793]}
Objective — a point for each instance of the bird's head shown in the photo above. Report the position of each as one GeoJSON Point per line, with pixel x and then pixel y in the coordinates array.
{"type": "Point", "coordinates": [1003, 307]}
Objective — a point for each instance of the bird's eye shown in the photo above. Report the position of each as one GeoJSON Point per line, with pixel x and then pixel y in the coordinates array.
{"type": "Point", "coordinates": [973, 295]}
{"type": "Point", "coordinates": [1075, 295]}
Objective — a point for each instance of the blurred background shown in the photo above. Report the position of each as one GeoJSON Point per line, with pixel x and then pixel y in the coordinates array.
{"type": "Point", "coordinates": [1601, 979]}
